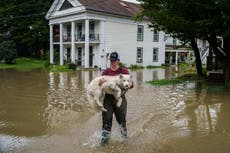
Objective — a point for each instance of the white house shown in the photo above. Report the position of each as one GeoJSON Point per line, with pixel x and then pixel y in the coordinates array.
{"type": "Point", "coordinates": [174, 53]}
{"type": "Point", "coordinates": [84, 32]}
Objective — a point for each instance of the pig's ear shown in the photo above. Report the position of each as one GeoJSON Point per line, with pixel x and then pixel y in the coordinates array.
{"type": "Point", "coordinates": [121, 76]}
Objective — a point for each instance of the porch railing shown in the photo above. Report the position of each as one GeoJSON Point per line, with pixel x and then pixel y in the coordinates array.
{"type": "Point", "coordinates": [66, 38]}
{"type": "Point", "coordinates": [78, 38]}
{"type": "Point", "coordinates": [92, 37]}
{"type": "Point", "coordinates": [56, 38]}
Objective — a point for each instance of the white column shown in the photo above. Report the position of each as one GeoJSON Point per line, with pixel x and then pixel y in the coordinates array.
{"type": "Point", "coordinates": [61, 45]}
{"type": "Point", "coordinates": [102, 51]}
{"type": "Point", "coordinates": [73, 42]}
{"type": "Point", "coordinates": [86, 43]}
{"type": "Point", "coordinates": [176, 58]}
{"type": "Point", "coordinates": [222, 42]}
{"type": "Point", "coordinates": [51, 45]}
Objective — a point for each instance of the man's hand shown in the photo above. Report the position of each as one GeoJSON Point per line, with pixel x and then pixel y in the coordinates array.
{"type": "Point", "coordinates": [131, 85]}
{"type": "Point", "coordinates": [101, 81]}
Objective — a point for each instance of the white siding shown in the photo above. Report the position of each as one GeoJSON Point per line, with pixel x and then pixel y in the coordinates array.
{"type": "Point", "coordinates": [122, 37]}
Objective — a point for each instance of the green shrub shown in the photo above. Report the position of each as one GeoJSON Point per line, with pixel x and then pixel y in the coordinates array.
{"type": "Point", "coordinates": [134, 66]}
{"type": "Point", "coordinates": [46, 56]}
{"type": "Point", "coordinates": [56, 56]}
{"type": "Point", "coordinates": [72, 66]}
{"type": "Point", "coordinates": [183, 64]}
{"type": "Point", "coordinates": [8, 52]}
{"type": "Point", "coordinates": [165, 65]}
{"type": "Point", "coordinates": [1, 56]}
{"type": "Point", "coordinates": [227, 85]}
{"type": "Point", "coordinates": [151, 66]}
{"type": "Point", "coordinates": [47, 63]}
{"type": "Point", "coordinates": [62, 68]}
{"type": "Point", "coordinates": [58, 68]}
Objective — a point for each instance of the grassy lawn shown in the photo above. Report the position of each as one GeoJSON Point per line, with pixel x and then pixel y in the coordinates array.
{"type": "Point", "coordinates": [181, 79]}
{"type": "Point", "coordinates": [27, 64]}
{"type": "Point", "coordinates": [24, 64]}
{"type": "Point", "coordinates": [60, 68]}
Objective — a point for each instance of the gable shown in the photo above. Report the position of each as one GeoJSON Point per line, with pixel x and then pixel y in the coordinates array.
{"type": "Point", "coordinates": [61, 7]}
{"type": "Point", "coordinates": [66, 5]}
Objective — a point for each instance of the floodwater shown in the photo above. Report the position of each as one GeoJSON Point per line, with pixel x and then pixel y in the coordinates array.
{"type": "Point", "coordinates": [45, 112]}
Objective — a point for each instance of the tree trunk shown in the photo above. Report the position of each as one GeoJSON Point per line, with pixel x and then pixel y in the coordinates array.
{"type": "Point", "coordinates": [227, 72]}
{"type": "Point", "coordinates": [226, 47]}
{"type": "Point", "coordinates": [197, 55]}
{"type": "Point", "coordinates": [212, 40]}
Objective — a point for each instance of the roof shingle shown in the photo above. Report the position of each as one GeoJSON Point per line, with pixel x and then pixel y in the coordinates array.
{"type": "Point", "coordinates": [117, 7]}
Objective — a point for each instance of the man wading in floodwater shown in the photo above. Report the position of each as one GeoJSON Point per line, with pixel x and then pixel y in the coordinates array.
{"type": "Point", "coordinates": [110, 102]}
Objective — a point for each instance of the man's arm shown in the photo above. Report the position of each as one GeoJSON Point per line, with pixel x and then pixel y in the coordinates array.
{"type": "Point", "coordinates": [101, 81]}
{"type": "Point", "coordinates": [125, 71]}
{"type": "Point", "coordinates": [103, 72]}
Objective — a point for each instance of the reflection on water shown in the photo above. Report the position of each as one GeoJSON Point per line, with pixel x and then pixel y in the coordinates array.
{"type": "Point", "coordinates": [47, 112]}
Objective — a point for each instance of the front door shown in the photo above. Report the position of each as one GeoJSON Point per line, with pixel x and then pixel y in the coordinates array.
{"type": "Point", "coordinates": [79, 56]}
{"type": "Point", "coordinates": [90, 56]}
{"type": "Point", "coordinates": [91, 31]}
{"type": "Point", "coordinates": [79, 31]}
{"type": "Point", "coordinates": [68, 55]}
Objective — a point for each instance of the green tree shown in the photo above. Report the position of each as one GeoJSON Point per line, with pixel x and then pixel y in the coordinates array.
{"type": "Point", "coordinates": [23, 21]}
{"type": "Point", "coordinates": [8, 51]}
{"type": "Point", "coordinates": [189, 20]}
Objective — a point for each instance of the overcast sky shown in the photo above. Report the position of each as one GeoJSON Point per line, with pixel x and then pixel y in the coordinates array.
{"type": "Point", "coordinates": [134, 1]}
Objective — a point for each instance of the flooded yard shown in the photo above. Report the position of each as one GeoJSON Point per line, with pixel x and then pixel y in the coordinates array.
{"type": "Point", "coordinates": [46, 112]}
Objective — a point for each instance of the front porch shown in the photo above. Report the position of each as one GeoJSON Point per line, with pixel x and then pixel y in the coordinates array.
{"type": "Point", "coordinates": [77, 42]}
{"type": "Point", "coordinates": [175, 56]}
{"type": "Point", "coordinates": [79, 54]}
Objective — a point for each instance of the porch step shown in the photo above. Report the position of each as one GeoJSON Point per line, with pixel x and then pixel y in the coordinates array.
{"type": "Point", "coordinates": [215, 76]}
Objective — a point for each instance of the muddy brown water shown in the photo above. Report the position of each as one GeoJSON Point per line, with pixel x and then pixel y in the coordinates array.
{"type": "Point", "coordinates": [45, 112]}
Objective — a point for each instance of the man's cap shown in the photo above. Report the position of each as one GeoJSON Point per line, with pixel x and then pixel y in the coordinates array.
{"type": "Point", "coordinates": [114, 56]}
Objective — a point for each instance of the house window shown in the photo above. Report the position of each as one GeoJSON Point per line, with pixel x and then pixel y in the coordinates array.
{"type": "Point", "coordinates": [155, 54]}
{"type": "Point", "coordinates": [139, 55]}
{"type": "Point", "coordinates": [140, 32]}
{"type": "Point", "coordinates": [155, 35]}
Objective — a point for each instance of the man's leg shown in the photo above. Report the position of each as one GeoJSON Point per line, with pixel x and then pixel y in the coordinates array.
{"type": "Point", "coordinates": [107, 118]}
{"type": "Point", "coordinates": [120, 113]}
